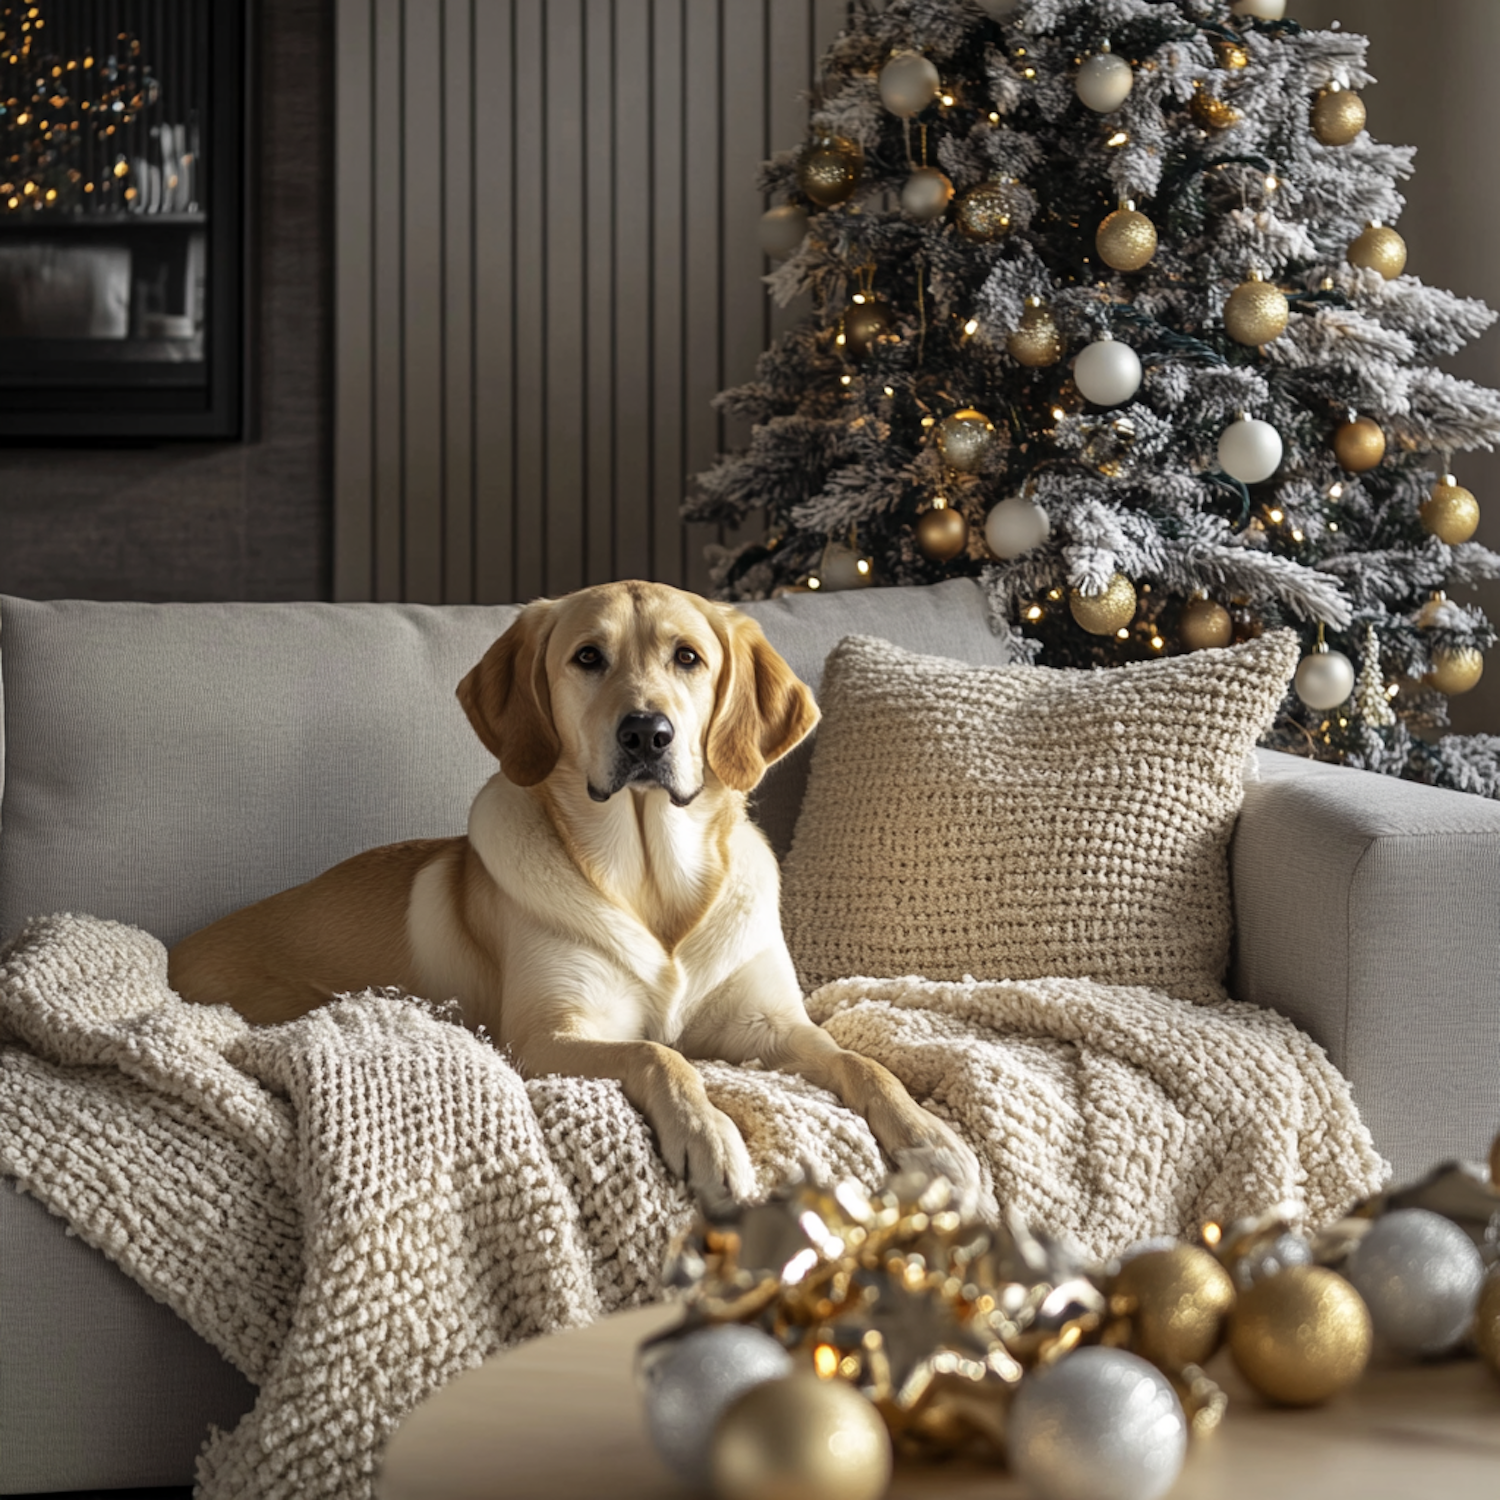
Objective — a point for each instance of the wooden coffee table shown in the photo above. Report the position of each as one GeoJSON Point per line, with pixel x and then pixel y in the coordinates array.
{"type": "Point", "coordinates": [560, 1419]}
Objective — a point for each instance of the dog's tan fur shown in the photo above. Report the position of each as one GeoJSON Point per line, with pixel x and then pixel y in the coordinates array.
{"type": "Point", "coordinates": [603, 930]}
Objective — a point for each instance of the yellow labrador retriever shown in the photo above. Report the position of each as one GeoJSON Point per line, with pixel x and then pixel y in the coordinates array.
{"type": "Point", "coordinates": [612, 911]}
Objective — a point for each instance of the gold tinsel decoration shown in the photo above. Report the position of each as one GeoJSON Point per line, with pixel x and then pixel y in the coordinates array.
{"type": "Point", "coordinates": [942, 533]}
{"type": "Point", "coordinates": [1177, 1301]}
{"type": "Point", "coordinates": [1450, 512]}
{"type": "Point", "coordinates": [1359, 445]}
{"type": "Point", "coordinates": [1379, 248]}
{"type": "Point", "coordinates": [1256, 312]}
{"type": "Point", "coordinates": [1037, 342]}
{"type": "Point", "coordinates": [1212, 112]}
{"type": "Point", "coordinates": [1126, 240]}
{"type": "Point", "coordinates": [1301, 1335]}
{"type": "Point", "coordinates": [988, 211]}
{"type": "Point", "coordinates": [829, 169]}
{"type": "Point", "coordinates": [1338, 116]}
{"type": "Point", "coordinates": [1455, 669]}
{"type": "Point", "coordinates": [1104, 614]}
{"type": "Point", "coordinates": [1204, 625]}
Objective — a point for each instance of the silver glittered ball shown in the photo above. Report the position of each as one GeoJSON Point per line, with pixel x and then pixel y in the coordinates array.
{"type": "Point", "coordinates": [1100, 1424]}
{"type": "Point", "coordinates": [1420, 1276]}
{"type": "Point", "coordinates": [688, 1388]}
{"type": "Point", "coordinates": [1271, 1256]}
{"type": "Point", "coordinates": [1324, 679]}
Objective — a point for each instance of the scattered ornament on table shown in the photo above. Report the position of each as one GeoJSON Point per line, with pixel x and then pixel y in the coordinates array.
{"type": "Point", "coordinates": [1126, 240]}
{"type": "Point", "coordinates": [1104, 81]}
{"type": "Point", "coordinates": [1261, 10]}
{"type": "Point", "coordinates": [1325, 678]}
{"type": "Point", "coordinates": [1250, 450]}
{"type": "Point", "coordinates": [1420, 1276]}
{"type": "Point", "coordinates": [1271, 1255]}
{"type": "Point", "coordinates": [1176, 1301]}
{"type": "Point", "coordinates": [1455, 669]}
{"type": "Point", "coordinates": [1015, 525]}
{"type": "Point", "coordinates": [1300, 1336]}
{"type": "Point", "coordinates": [1099, 1422]}
{"type": "Point", "coordinates": [1487, 1322]}
{"type": "Point", "coordinates": [1204, 625]}
{"type": "Point", "coordinates": [1106, 612]}
{"type": "Point", "coordinates": [844, 568]}
{"type": "Point", "coordinates": [926, 194]}
{"type": "Point", "coordinates": [868, 319]}
{"type": "Point", "coordinates": [1359, 444]}
{"type": "Point", "coordinates": [908, 83]}
{"type": "Point", "coordinates": [1338, 115]}
{"type": "Point", "coordinates": [1037, 342]}
{"type": "Point", "coordinates": [942, 532]}
{"type": "Point", "coordinates": [829, 169]}
{"type": "Point", "coordinates": [1457, 1191]}
{"type": "Point", "coordinates": [1256, 312]}
{"type": "Point", "coordinates": [964, 438]}
{"type": "Point", "coordinates": [1450, 512]}
{"type": "Point", "coordinates": [987, 212]}
{"type": "Point", "coordinates": [1379, 248]}
{"type": "Point", "coordinates": [1107, 372]}
{"type": "Point", "coordinates": [782, 230]}
{"type": "Point", "coordinates": [1212, 112]}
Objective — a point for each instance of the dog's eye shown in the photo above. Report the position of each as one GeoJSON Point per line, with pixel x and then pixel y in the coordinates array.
{"type": "Point", "coordinates": [687, 657]}
{"type": "Point", "coordinates": [590, 658]}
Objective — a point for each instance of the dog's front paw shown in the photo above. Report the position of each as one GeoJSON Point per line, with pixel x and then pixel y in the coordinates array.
{"type": "Point", "coordinates": [710, 1154]}
{"type": "Point", "coordinates": [940, 1153]}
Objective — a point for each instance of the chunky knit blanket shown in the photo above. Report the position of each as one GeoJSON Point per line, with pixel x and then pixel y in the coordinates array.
{"type": "Point", "coordinates": [355, 1206]}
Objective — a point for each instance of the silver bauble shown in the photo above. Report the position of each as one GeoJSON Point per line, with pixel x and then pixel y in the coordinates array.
{"type": "Point", "coordinates": [1250, 450]}
{"type": "Point", "coordinates": [926, 194]}
{"type": "Point", "coordinates": [688, 1386]}
{"type": "Point", "coordinates": [1104, 82]}
{"type": "Point", "coordinates": [1100, 1424]}
{"type": "Point", "coordinates": [1420, 1276]}
{"type": "Point", "coordinates": [782, 229]}
{"type": "Point", "coordinates": [1271, 1256]}
{"type": "Point", "coordinates": [1016, 525]}
{"type": "Point", "coordinates": [1107, 372]}
{"type": "Point", "coordinates": [908, 84]}
{"type": "Point", "coordinates": [1324, 679]}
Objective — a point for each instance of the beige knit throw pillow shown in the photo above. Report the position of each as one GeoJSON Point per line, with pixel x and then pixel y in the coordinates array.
{"type": "Point", "coordinates": [1023, 822]}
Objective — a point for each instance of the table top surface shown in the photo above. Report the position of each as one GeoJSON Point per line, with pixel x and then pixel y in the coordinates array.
{"type": "Point", "coordinates": [560, 1418]}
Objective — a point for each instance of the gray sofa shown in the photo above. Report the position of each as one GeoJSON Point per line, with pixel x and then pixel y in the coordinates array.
{"type": "Point", "coordinates": [163, 764]}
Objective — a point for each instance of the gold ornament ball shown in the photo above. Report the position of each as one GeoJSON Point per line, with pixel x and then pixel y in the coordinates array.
{"type": "Point", "coordinates": [964, 438]}
{"type": "Point", "coordinates": [1231, 55]}
{"type": "Point", "coordinates": [1104, 614]}
{"type": "Point", "coordinates": [1037, 342]}
{"type": "Point", "coordinates": [1487, 1322]}
{"type": "Point", "coordinates": [987, 212]}
{"type": "Point", "coordinates": [1379, 248]}
{"type": "Point", "coordinates": [1256, 313]}
{"type": "Point", "coordinates": [1182, 1297]}
{"type": "Point", "coordinates": [1126, 240]}
{"type": "Point", "coordinates": [1204, 625]}
{"type": "Point", "coordinates": [1301, 1335]}
{"type": "Point", "coordinates": [864, 323]}
{"type": "Point", "coordinates": [801, 1438]}
{"type": "Point", "coordinates": [1338, 116]}
{"type": "Point", "coordinates": [1450, 512]}
{"type": "Point", "coordinates": [1212, 112]}
{"type": "Point", "coordinates": [942, 533]}
{"type": "Point", "coordinates": [1455, 671]}
{"type": "Point", "coordinates": [1359, 445]}
{"type": "Point", "coordinates": [829, 169]}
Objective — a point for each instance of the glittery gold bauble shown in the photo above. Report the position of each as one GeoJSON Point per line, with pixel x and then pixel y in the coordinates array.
{"type": "Point", "coordinates": [1231, 55]}
{"type": "Point", "coordinates": [1301, 1335]}
{"type": "Point", "coordinates": [1338, 115]}
{"type": "Point", "coordinates": [801, 1438]}
{"type": "Point", "coordinates": [1181, 1297]}
{"type": "Point", "coordinates": [988, 211]}
{"type": "Point", "coordinates": [942, 533]}
{"type": "Point", "coordinates": [1450, 512]}
{"type": "Point", "coordinates": [1204, 625]}
{"type": "Point", "coordinates": [1379, 248]}
{"type": "Point", "coordinates": [1212, 112]}
{"type": "Point", "coordinates": [1036, 342]}
{"type": "Point", "coordinates": [1487, 1322]}
{"type": "Point", "coordinates": [829, 169]}
{"type": "Point", "coordinates": [1359, 445]}
{"type": "Point", "coordinates": [964, 438]}
{"type": "Point", "coordinates": [1103, 614]}
{"type": "Point", "coordinates": [864, 323]}
{"type": "Point", "coordinates": [1126, 240]}
{"type": "Point", "coordinates": [1256, 313]}
{"type": "Point", "coordinates": [1455, 670]}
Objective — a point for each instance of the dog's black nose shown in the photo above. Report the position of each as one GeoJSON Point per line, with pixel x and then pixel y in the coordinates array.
{"type": "Point", "coordinates": [645, 737]}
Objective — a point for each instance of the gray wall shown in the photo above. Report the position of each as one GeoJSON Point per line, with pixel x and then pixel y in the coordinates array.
{"type": "Point", "coordinates": [209, 520]}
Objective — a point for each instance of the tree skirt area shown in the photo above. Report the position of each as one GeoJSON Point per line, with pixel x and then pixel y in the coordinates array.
{"type": "Point", "coordinates": [354, 1206]}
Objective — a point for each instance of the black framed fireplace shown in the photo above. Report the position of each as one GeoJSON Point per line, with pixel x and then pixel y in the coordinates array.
{"type": "Point", "coordinates": [123, 266]}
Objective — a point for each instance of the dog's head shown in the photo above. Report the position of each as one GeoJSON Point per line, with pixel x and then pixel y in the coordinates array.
{"type": "Point", "coordinates": [636, 684]}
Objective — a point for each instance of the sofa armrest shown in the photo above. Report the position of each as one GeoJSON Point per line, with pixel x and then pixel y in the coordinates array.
{"type": "Point", "coordinates": [1367, 910]}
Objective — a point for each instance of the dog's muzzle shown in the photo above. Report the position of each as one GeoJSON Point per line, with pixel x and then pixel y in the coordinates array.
{"type": "Point", "coordinates": [643, 740]}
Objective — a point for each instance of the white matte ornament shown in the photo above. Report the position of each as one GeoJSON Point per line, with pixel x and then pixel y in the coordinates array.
{"type": "Point", "coordinates": [908, 84]}
{"type": "Point", "coordinates": [1261, 10]}
{"type": "Point", "coordinates": [1100, 1424]}
{"type": "Point", "coordinates": [1104, 82]}
{"type": "Point", "coordinates": [688, 1388]}
{"type": "Point", "coordinates": [1420, 1276]}
{"type": "Point", "coordinates": [926, 193]}
{"type": "Point", "coordinates": [782, 229]}
{"type": "Point", "coordinates": [1324, 679]}
{"type": "Point", "coordinates": [1107, 372]}
{"type": "Point", "coordinates": [1250, 450]}
{"type": "Point", "coordinates": [845, 568]}
{"type": "Point", "coordinates": [1016, 525]}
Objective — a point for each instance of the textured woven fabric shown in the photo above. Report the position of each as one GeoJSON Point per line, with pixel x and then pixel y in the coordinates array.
{"type": "Point", "coordinates": [354, 1206]}
{"type": "Point", "coordinates": [1020, 822]}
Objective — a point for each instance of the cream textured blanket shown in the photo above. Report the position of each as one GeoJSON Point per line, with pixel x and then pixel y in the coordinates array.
{"type": "Point", "coordinates": [355, 1206]}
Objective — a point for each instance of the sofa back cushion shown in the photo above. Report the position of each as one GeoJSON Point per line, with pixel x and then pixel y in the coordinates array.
{"type": "Point", "coordinates": [164, 764]}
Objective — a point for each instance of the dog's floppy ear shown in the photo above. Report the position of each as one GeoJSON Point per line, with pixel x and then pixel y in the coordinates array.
{"type": "Point", "coordinates": [509, 703]}
{"type": "Point", "coordinates": [762, 708]}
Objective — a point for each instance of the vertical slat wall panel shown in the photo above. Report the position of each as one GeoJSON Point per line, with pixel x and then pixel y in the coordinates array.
{"type": "Point", "coordinates": [547, 268]}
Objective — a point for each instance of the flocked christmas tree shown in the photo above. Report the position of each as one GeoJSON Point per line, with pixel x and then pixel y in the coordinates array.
{"type": "Point", "coordinates": [1109, 313]}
